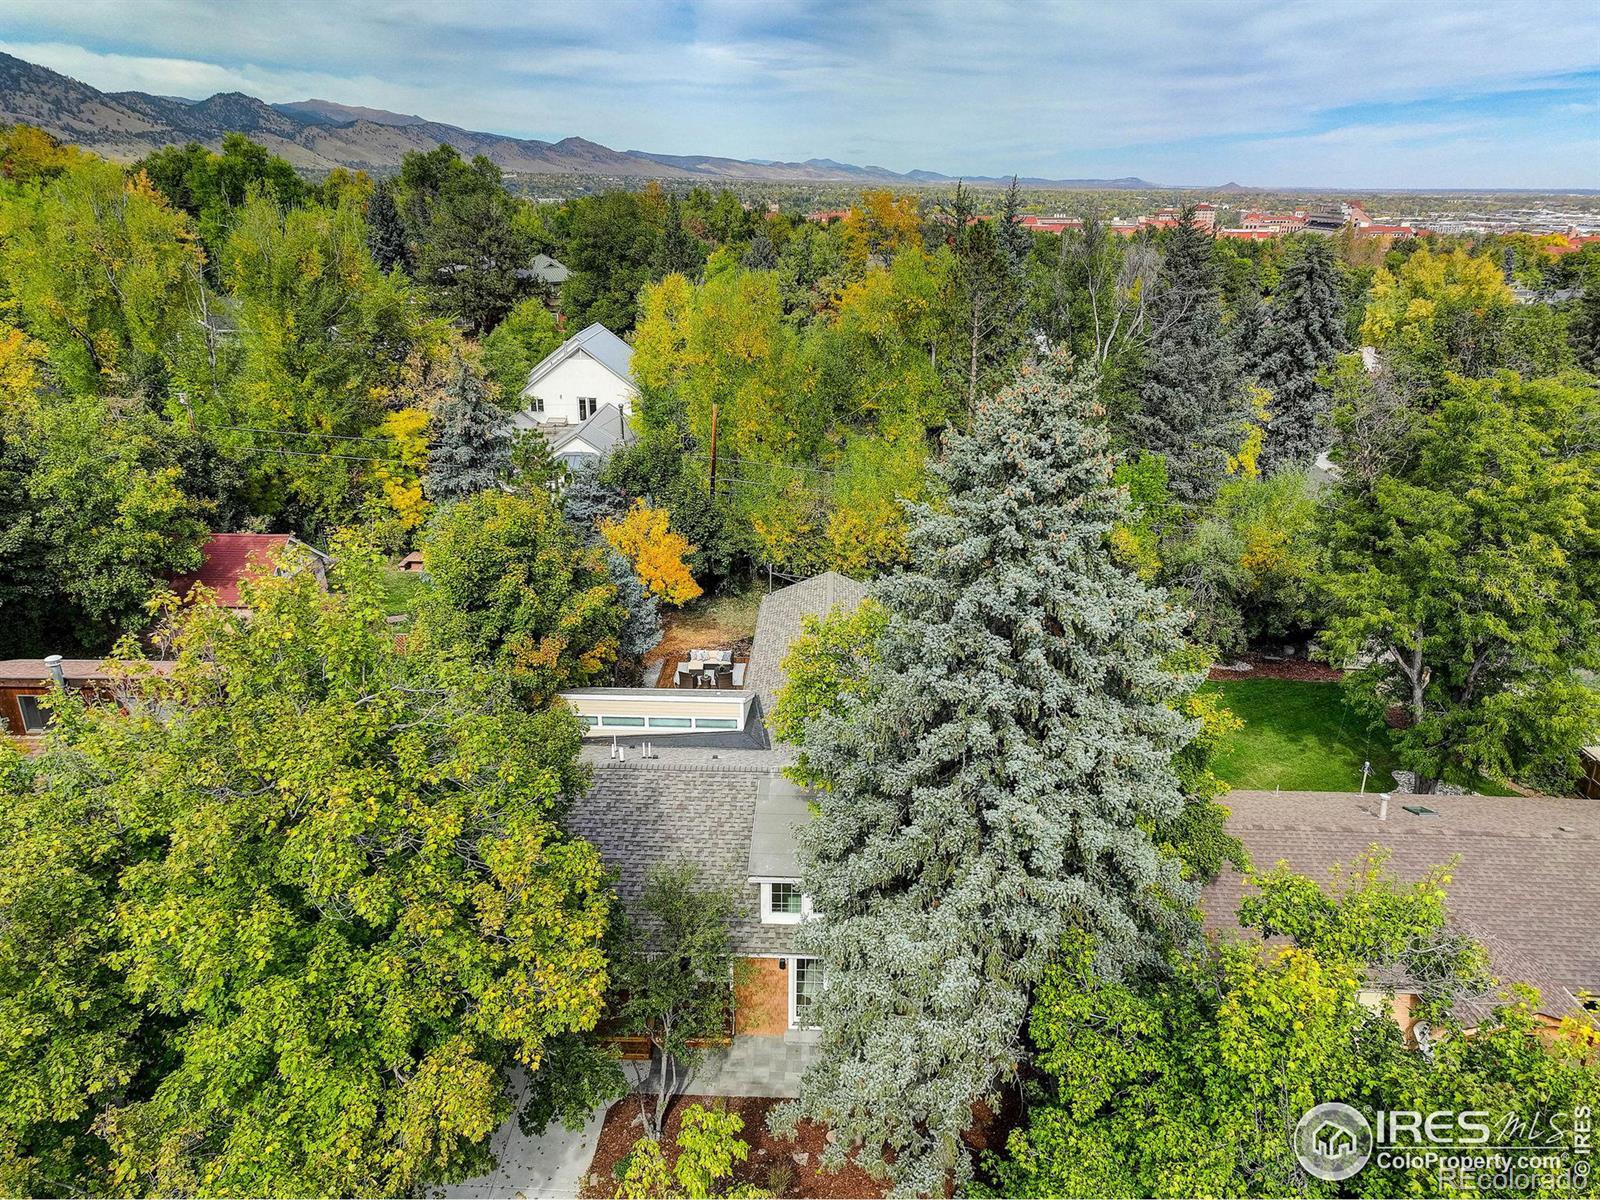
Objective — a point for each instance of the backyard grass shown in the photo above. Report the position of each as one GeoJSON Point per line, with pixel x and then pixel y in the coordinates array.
{"type": "Point", "coordinates": [401, 590]}
{"type": "Point", "coordinates": [1300, 736]}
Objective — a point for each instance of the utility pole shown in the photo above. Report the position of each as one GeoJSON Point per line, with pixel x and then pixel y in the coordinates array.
{"type": "Point", "coordinates": [713, 481]}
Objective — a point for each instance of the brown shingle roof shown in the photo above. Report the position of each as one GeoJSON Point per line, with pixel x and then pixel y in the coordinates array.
{"type": "Point", "coordinates": [1527, 884]}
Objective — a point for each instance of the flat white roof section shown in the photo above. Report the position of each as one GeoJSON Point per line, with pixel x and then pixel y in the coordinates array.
{"type": "Point", "coordinates": [659, 712]}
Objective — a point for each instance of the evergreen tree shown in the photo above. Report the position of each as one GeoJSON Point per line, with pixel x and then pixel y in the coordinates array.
{"type": "Point", "coordinates": [1306, 334]}
{"type": "Point", "coordinates": [1191, 405]}
{"type": "Point", "coordinates": [992, 787]}
{"type": "Point", "coordinates": [1584, 330]}
{"type": "Point", "coordinates": [588, 499]}
{"type": "Point", "coordinates": [641, 630]}
{"type": "Point", "coordinates": [1247, 334]}
{"type": "Point", "coordinates": [679, 250]}
{"type": "Point", "coordinates": [471, 450]}
{"type": "Point", "coordinates": [1014, 241]}
{"type": "Point", "coordinates": [761, 255]}
{"type": "Point", "coordinates": [386, 233]}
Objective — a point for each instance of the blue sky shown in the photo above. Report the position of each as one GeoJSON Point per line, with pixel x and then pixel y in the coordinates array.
{"type": "Point", "coordinates": [1359, 93]}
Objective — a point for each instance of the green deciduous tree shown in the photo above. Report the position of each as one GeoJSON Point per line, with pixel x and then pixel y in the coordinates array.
{"type": "Point", "coordinates": [102, 271]}
{"type": "Point", "coordinates": [1471, 574]}
{"type": "Point", "coordinates": [610, 255]}
{"type": "Point", "coordinates": [326, 344]}
{"type": "Point", "coordinates": [674, 971]}
{"type": "Point", "coordinates": [285, 921]}
{"type": "Point", "coordinates": [517, 345]}
{"type": "Point", "coordinates": [471, 252]}
{"type": "Point", "coordinates": [994, 787]}
{"type": "Point", "coordinates": [708, 1146]}
{"type": "Point", "coordinates": [1440, 312]}
{"type": "Point", "coordinates": [212, 187]}
{"type": "Point", "coordinates": [515, 588]}
{"type": "Point", "coordinates": [1191, 1084]}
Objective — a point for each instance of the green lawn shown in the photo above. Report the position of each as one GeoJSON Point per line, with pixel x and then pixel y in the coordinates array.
{"type": "Point", "coordinates": [1301, 737]}
{"type": "Point", "coordinates": [401, 590]}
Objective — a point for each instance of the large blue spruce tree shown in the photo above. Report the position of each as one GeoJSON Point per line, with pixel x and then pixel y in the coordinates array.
{"type": "Point", "coordinates": [994, 787]}
{"type": "Point", "coordinates": [471, 448]}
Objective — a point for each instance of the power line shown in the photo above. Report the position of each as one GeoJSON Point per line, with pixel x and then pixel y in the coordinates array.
{"type": "Point", "coordinates": [316, 454]}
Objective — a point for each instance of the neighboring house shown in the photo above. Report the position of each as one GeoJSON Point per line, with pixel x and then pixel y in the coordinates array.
{"type": "Point", "coordinates": [26, 683]}
{"type": "Point", "coordinates": [544, 269]}
{"type": "Point", "coordinates": [412, 563]}
{"type": "Point", "coordinates": [1524, 884]}
{"type": "Point", "coordinates": [1589, 772]}
{"type": "Point", "coordinates": [589, 443]}
{"type": "Point", "coordinates": [227, 559]}
{"type": "Point", "coordinates": [589, 370]}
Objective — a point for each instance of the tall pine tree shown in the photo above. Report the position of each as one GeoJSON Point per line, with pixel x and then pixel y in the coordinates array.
{"type": "Point", "coordinates": [1305, 336]}
{"type": "Point", "coordinates": [386, 232]}
{"type": "Point", "coordinates": [1191, 406]}
{"type": "Point", "coordinates": [993, 786]}
{"type": "Point", "coordinates": [471, 448]}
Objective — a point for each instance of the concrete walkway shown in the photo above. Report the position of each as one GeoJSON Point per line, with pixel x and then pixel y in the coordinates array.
{"type": "Point", "coordinates": [548, 1167]}
{"type": "Point", "coordinates": [754, 1065]}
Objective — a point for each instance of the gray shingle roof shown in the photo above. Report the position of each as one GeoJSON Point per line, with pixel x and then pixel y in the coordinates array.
{"type": "Point", "coordinates": [599, 343]}
{"type": "Point", "coordinates": [545, 269]}
{"type": "Point", "coordinates": [778, 624]}
{"type": "Point", "coordinates": [639, 819]}
{"type": "Point", "coordinates": [1527, 884]}
{"type": "Point", "coordinates": [605, 430]}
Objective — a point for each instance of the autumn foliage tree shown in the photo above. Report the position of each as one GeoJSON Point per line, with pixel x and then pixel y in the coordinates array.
{"type": "Point", "coordinates": [643, 537]}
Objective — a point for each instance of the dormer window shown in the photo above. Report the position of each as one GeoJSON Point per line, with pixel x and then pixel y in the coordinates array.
{"type": "Point", "coordinates": [783, 903]}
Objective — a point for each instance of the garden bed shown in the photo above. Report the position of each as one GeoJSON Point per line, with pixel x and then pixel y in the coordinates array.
{"type": "Point", "coordinates": [781, 1166]}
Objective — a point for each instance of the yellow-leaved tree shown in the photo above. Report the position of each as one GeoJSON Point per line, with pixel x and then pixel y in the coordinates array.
{"type": "Point", "coordinates": [642, 536]}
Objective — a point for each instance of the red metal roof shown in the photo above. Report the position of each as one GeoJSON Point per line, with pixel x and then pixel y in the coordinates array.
{"type": "Point", "coordinates": [229, 558]}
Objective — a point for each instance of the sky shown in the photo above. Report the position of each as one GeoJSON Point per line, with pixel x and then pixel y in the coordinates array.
{"type": "Point", "coordinates": [1348, 93]}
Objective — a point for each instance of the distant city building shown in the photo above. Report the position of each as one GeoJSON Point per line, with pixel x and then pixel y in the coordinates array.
{"type": "Point", "coordinates": [1274, 222]}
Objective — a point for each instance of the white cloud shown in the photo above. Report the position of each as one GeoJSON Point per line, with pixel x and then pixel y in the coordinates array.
{"type": "Point", "coordinates": [976, 85]}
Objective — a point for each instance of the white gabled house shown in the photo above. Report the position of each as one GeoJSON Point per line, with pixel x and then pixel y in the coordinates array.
{"type": "Point", "coordinates": [586, 372]}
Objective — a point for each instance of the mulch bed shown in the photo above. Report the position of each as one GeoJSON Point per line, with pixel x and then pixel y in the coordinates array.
{"type": "Point", "coordinates": [781, 1166]}
{"type": "Point", "coordinates": [1262, 667]}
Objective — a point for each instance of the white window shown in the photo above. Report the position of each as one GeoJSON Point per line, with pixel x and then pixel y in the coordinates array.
{"type": "Point", "coordinates": [783, 903]}
{"type": "Point", "coordinates": [536, 404]}
{"type": "Point", "coordinates": [805, 985]}
{"type": "Point", "coordinates": [35, 717]}
{"type": "Point", "coordinates": [586, 407]}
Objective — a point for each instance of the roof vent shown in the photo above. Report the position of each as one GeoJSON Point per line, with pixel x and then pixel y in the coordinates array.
{"type": "Point", "coordinates": [1417, 810]}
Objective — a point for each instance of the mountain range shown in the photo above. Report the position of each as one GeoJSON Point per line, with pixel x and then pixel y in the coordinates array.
{"type": "Point", "coordinates": [318, 135]}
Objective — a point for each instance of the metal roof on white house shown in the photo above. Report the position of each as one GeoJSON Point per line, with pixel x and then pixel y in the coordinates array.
{"type": "Point", "coordinates": [599, 343]}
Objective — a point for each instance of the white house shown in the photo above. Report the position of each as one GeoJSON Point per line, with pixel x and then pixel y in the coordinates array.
{"type": "Point", "coordinates": [587, 371]}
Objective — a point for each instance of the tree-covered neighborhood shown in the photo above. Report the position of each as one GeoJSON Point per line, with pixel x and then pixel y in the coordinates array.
{"type": "Point", "coordinates": [825, 686]}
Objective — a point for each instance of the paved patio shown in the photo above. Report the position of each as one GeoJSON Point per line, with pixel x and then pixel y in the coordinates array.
{"type": "Point", "coordinates": [550, 1166]}
{"type": "Point", "coordinates": [754, 1065]}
